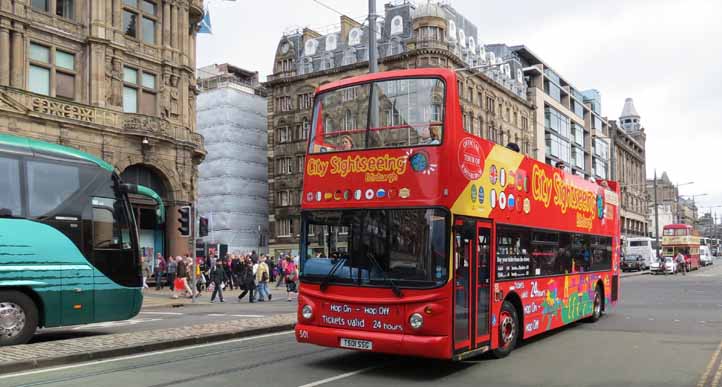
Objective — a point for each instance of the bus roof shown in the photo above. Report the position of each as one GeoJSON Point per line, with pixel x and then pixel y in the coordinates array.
{"type": "Point", "coordinates": [677, 226]}
{"type": "Point", "coordinates": [36, 146]}
{"type": "Point", "coordinates": [446, 74]}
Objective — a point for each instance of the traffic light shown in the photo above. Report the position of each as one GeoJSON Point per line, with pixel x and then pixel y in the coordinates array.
{"type": "Point", "coordinates": [184, 219]}
{"type": "Point", "coordinates": [202, 226]}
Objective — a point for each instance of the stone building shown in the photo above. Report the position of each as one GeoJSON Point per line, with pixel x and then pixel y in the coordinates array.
{"type": "Point", "coordinates": [233, 179]}
{"type": "Point", "coordinates": [628, 166]}
{"type": "Point", "coordinates": [114, 79]}
{"type": "Point", "coordinates": [493, 98]}
{"type": "Point", "coordinates": [667, 204]}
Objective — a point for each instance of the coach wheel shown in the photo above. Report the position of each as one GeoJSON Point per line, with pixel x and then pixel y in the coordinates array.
{"type": "Point", "coordinates": [18, 318]}
{"type": "Point", "coordinates": [508, 330]}
{"type": "Point", "coordinates": [597, 308]}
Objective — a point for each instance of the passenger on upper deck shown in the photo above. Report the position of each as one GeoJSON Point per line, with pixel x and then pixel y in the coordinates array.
{"type": "Point", "coordinates": [434, 137]}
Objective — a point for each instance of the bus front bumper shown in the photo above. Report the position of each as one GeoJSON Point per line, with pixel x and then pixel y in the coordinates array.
{"type": "Point", "coordinates": [438, 347]}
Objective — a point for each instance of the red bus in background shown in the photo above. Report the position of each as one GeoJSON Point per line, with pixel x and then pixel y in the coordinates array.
{"type": "Point", "coordinates": [418, 238]}
{"type": "Point", "coordinates": [682, 238]}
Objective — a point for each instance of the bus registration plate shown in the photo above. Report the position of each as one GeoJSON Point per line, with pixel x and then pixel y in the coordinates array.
{"type": "Point", "coordinates": [356, 344]}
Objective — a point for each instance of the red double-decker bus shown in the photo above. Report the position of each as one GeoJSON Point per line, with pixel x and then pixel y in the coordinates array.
{"type": "Point", "coordinates": [419, 238]}
{"type": "Point", "coordinates": [682, 238]}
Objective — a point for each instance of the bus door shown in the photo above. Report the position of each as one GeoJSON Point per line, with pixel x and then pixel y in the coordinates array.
{"type": "Point", "coordinates": [472, 251]}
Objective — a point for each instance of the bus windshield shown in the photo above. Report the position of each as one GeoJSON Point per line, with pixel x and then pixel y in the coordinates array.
{"type": "Point", "coordinates": [407, 246]}
{"type": "Point", "coordinates": [383, 114]}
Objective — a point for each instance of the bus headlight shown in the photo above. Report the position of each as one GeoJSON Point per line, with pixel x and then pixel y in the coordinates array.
{"type": "Point", "coordinates": [416, 320]}
{"type": "Point", "coordinates": [307, 312]}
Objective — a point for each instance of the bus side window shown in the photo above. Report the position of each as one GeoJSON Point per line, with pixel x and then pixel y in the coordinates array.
{"type": "Point", "coordinates": [10, 181]}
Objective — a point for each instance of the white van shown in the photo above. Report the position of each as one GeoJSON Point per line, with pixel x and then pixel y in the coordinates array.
{"type": "Point", "coordinates": [705, 256]}
{"type": "Point", "coordinates": [641, 246]}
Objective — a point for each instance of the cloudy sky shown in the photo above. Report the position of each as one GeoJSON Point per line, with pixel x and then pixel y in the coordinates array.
{"type": "Point", "coordinates": [665, 54]}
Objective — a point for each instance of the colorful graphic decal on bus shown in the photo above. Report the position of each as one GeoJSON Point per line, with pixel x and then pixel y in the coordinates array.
{"type": "Point", "coordinates": [523, 184]}
{"type": "Point", "coordinates": [551, 303]}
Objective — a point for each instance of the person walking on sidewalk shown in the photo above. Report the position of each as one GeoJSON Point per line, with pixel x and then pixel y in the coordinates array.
{"type": "Point", "coordinates": [282, 262]}
{"type": "Point", "coordinates": [262, 277]}
{"type": "Point", "coordinates": [159, 270]}
{"type": "Point", "coordinates": [171, 268]}
{"type": "Point", "coordinates": [146, 271]}
{"type": "Point", "coordinates": [291, 275]}
{"type": "Point", "coordinates": [218, 277]}
{"type": "Point", "coordinates": [248, 280]}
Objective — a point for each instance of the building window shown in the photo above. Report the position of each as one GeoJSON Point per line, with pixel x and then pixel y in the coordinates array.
{"type": "Point", "coordinates": [139, 91]}
{"type": "Point", "coordinates": [284, 166]}
{"type": "Point", "coordinates": [304, 101]}
{"type": "Point", "coordinates": [301, 162]}
{"type": "Point", "coordinates": [349, 121]}
{"type": "Point", "coordinates": [303, 130]}
{"type": "Point", "coordinates": [139, 20]}
{"type": "Point", "coordinates": [490, 104]}
{"type": "Point", "coordinates": [349, 94]}
{"type": "Point", "coordinates": [283, 227]}
{"type": "Point", "coordinates": [427, 33]}
{"type": "Point", "coordinates": [524, 123]}
{"type": "Point", "coordinates": [601, 149]}
{"type": "Point", "coordinates": [600, 168]}
{"type": "Point", "coordinates": [40, 5]}
{"type": "Point", "coordinates": [578, 134]}
{"type": "Point", "coordinates": [51, 72]}
{"type": "Point", "coordinates": [284, 135]}
{"type": "Point", "coordinates": [284, 104]}
{"type": "Point", "coordinates": [578, 158]}
{"type": "Point", "coordinates": [556, 122]}
{"type": "Point", "coordinates": [558, 147]}
{"type": "Point", "coordinates": [284, 198]}
{"type": "Point", "coordinates": [65, 8]}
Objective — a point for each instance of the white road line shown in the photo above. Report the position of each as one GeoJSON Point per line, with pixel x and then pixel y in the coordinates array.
{"type": "Point", "coordinates": [337, 377]}
{"type": "Point", "coordinates": [131, 357]}
{"type": "Point", "coordinates": [163, 313]}
{"type": "Point", "coordinates": [217, 315]}
{"type": "Point", "coordinates": [113, 324]}
{"type": "Point", "coordinates": [676, 320]}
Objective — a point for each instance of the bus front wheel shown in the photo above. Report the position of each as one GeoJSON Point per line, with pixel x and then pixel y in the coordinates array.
{"type": "Point", "coordinates": [508, 330]}
{"type": "Point", "coordinates": [18, 318]}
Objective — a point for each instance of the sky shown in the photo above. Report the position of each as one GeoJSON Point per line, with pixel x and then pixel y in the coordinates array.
{"type": "Point", "coordinates": [666, 55]}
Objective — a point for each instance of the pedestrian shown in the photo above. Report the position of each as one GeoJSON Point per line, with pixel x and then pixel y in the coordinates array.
{"type": "Point", "coordinates": [170, 269]}
{"type": "Point", "coordinates": [227, 270]}
{"type": "Point", "coordinates": [218, 277]}
{"type": "Point", "coordinates": [159, 271]}
{"type": "Point", "coordinates": [236, 265]}
{"type": "Point", "coordinates": [181, 283]}
{"type": "Point", "coordinates": [291, 274]}
{"type": "Point", "coordinates": [146, 271]}
{"type": "Point", "coordinates": [254, 257]}
{"type": "Point", "coordinates": [248, 280]}
{"type": "Point", "coordinates": [681, 264]}
{"type": "Point", "coordinates": [271, 269]}
{"type": "Point", "coordinates": [283, 261]}
{"type": "Point", "coordinates": [262, 278]}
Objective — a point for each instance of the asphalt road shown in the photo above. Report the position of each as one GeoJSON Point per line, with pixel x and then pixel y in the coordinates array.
{"type": "Point", "coordinates": [664, 333]}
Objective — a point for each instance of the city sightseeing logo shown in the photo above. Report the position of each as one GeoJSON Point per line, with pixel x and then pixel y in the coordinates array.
{"type": "Point", "coordinates": [471, 158]}
{"type": "Point", "coordinates": [565, 196]}
{"type": "Point", "coordinates": [384, 168]}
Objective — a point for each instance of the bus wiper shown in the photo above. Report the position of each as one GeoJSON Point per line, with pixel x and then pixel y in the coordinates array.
{"type": "Point", "coordinates": [329, 276]}
{"type": "Point", "coordinates": [394, 287]}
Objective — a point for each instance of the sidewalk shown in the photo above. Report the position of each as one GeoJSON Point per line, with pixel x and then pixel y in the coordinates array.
{"type": "Point", "coordinates": [162, 298]}
{"type": "Point", "coordinates": [63, 352]}
{"type": "Point", "coordinates": [634, 273]}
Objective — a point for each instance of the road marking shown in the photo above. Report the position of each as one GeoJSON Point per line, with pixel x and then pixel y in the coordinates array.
{"type": "Point", "coordinates": [676, 320]}
{"type": "Point", "coordinates": [113, 324]}
{"type": "Point", "coordinates": [131, 357]}
{"type": "Point", "coordinates": [217, 315]}
{"type": "Point", "coordinates": [708, 370]}
{"type": "Point", "coordinates": [248, 315]}
{"type": "Point", "coordinates": [163, 313]}
{"type": "Point", "coordinates": [337, 377]}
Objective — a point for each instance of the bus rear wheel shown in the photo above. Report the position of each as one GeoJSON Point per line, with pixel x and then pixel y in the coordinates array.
{"type": "Point", "coordinates": [597, 306]}
{"type": "Point", "coordinates": [508, 330]}
{"type": "Point", "coordinates": [18, 318]}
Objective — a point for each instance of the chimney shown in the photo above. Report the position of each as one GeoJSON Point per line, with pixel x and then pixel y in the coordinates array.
{"type": "Point", "coordinates": [346, 25]}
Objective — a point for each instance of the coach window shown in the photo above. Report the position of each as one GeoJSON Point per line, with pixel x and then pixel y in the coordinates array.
{"type": "Point", "coordinates": [50, 185]}
{"type": "Point", "coordinates": [109, 227]}
{"type": "Point", "coordinates": [10, 181]}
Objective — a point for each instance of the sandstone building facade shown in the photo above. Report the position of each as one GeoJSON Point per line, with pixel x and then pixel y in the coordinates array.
{"type": "Point", "coordinates": [113, 78]}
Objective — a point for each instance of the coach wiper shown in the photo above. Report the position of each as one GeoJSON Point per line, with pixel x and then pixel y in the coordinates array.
{"type": "Point", "coordinates": [394, 287]}
{"type": "Point", "coordinates": [329, 276]}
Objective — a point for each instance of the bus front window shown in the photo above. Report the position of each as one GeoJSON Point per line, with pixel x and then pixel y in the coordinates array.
{"type": "Point", "coordinates": [383, 114]}
{"type": "Point", "coordinates": [372, 246]}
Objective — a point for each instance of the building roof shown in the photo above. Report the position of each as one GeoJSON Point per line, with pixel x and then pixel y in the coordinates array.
{"type": "Point", "coordinates": [629, 109]}
{"type": "Point", "coordinates": [41, 147]}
